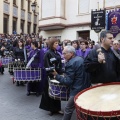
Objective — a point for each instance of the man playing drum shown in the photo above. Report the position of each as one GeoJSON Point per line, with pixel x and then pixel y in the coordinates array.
{"type": "Point", "coordinates": [73, 77]}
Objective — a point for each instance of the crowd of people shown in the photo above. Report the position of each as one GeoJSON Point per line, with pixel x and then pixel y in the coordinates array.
{"type": "Point", "coordinates": [85, 64]}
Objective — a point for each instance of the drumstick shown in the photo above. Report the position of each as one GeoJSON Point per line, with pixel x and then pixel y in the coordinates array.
{"type": "Point", "coordinates": [100, 51]}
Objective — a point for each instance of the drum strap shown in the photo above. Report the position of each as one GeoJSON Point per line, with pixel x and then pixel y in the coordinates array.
{"type": "Point", "coordinates": [32, 58]}
{"type": "Point", "coordinates": [25, 55]}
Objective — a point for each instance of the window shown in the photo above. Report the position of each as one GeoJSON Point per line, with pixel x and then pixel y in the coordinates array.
{"type": "Point", "coordinates": [48, 5]}
{"type": "Point", "coordinates": [83, 6]}
{"type": "Point", "coordinates": [28, 27]}
{"type": "Point", "coordinates": [6, 23]}
{"type": "Point", "coordinates": [34, 28]}
{"type": "Point", "coordinates": [14, 2]}
{"type": "Point", "coordinates": [15, 24]}
{"type": "Point", "coordinates": [22, 26]}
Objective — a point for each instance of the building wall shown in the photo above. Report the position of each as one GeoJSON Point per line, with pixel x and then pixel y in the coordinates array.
{"type": "Point", "coordinates": [76, 17]}
{"type": "Point", "coordinates": [16, 13]}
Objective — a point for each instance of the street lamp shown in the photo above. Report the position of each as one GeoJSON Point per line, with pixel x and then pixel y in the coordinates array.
{"type": "Point", "coordinates": [34, 6]}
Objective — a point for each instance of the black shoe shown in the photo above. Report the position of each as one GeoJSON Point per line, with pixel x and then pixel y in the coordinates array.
{"type": "Point", "coordinates": [17, 84]}
{"type": "Point", "coordinates": [60, 112]}
{"type": "Point", "coordinates": [51, 113]}
{"type": "Point", "coordinates": [37, 94]}
{"type": "Point", "coordinates": [28, 93]}
{"type": "Point", "coordinates": [21, 83]}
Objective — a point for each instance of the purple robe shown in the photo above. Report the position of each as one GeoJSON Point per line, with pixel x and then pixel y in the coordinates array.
{"type": "Point", "coordinates": [28, 48]}
{"type": "Point", "coordinates": [36, 62]}
{"type": "Point", "coordinates": [78, 52]}
{"type": "Point", "coordinates": [45, 49]}
{"type": "Point", "coordinates": [83, 54]}
{"type": "Point", "coordinates": [59, 49]}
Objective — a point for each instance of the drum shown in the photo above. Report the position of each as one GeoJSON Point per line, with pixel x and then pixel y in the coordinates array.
{"type": "Point", "coordinates": [6, 60]}
{"type": "Point", "coordinates": [100, 102]}
{"type": "Point", "coordinates": [16, 65]}
{"type": "Point", "coordinates": [58, 91]}
{"type": "Point", "coordinates": [23, 74]}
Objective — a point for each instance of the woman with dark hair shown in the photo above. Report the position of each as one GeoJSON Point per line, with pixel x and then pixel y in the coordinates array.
{"type": "Point", "coordinates": [19, 50]}
{"type": "Point", "coordinates": [47, 103]}
{"type": "Point", "coordinates": [20, 55]}
{"type": "Point", "coordinates": [34, 86]}
{"type": "Point", "coordinates": [75, 44]}
{"type": "Point", "coordinates": [83, 51]}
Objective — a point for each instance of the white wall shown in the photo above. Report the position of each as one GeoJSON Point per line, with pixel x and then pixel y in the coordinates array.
{"type": "Point", "coordinates": [73, 16]}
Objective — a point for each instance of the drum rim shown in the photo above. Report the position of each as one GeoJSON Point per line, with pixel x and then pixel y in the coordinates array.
{"type": "Point", "coordinates": [96, 113]}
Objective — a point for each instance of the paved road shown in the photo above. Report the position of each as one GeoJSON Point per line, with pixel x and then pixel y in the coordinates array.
{"type": "Point", "coordinates": [15, 105]}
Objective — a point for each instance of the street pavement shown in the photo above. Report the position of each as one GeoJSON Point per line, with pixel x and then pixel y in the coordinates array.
{"type": "Point", "coordinates": [15, 105]}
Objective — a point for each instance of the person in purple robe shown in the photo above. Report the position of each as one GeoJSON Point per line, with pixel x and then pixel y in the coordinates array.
{"type": "Point", "coordinates": [59, 49]}
{"type": "Point", "coordinates": [44, 46]}
{"type": "Point", "coordinates": [36, 63]}
{"type": "Point", "coordinates": [83, 51]}
{"type": "Point", "coordinates": [75, 44]}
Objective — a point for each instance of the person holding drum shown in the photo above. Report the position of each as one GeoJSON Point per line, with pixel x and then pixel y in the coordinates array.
{"type": "Point", "coordinates": [35, 63]}
{"type": "Point", "coordinates": [52, 60]}
{"type": "Point", "coordinates": [19, 56]}
{"type": "Point", "coordinates": [73, 77]}
{"type": "Point", "coordinates": [102, 64]}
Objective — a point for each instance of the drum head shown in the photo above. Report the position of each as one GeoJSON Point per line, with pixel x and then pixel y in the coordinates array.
{"type": "Point", "coordinates": [103, 98]}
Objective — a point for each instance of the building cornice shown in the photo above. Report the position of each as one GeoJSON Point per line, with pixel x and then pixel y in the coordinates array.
{"type": "Point", "coordinates": [62, 26]}
{"type": "Point", "coordinates": [53, 17]}
{"type": "Point", "coordinates": [112, 7]}
{"type": "Point", "coordinates": [6, 2]}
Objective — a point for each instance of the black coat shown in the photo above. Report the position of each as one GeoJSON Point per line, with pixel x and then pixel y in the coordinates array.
{"type": "Point", "coordinates": [19, 53]}
{"type": "Point", "coordinates": [48, 103]}
{"type": "Point", "coordinates": [99, 72]}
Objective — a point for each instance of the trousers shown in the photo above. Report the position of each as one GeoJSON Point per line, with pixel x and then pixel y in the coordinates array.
{"type": "Point", "coordinates": [69, 108]}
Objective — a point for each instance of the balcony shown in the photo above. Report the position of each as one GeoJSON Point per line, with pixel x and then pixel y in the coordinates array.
{"type": "Point", "coordinates": [23, 14]}
{"type": "Point", "coordinates": [29, 17]}
{"type": "Point", "coordinates": [52, 14]}
{"type": "Point", "coordinates": [6, 8]}
{"type": "Point", "coordinates": [15, 11]}
{"type": "Point", "coordinates": [51, 23]}
{"type": "Point", "coordinates": [35, 19]}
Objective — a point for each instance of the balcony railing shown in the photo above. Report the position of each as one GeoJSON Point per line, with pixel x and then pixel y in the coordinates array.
{"type": "Point", "coordinates": [6, 8]}
{"type": "Point", "coordinates": [23, 14]}
{"type": "Point", "coordinates": [15, 11]}
{"type": "Point", "coordinates": [35, 19]}
{"type": "Point", "coordinates": [29, 17]}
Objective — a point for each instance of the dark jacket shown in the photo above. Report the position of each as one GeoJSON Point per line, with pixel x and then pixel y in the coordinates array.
{"type": "Point", "coordinates": [57, 64]}
{"type": "Point", "coordinates": [19, 53]}
{"type": "Point", "coordinates": [102, 73]}
{"type": "Point", "coordinates": [74, 76]}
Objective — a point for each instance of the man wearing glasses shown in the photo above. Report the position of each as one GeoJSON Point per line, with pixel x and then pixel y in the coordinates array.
{"type": "Point", "coordinates": [73, 77]}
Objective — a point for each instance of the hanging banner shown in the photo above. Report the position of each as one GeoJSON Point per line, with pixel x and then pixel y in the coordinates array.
{"type": "Point", "coordinates": [114, 22]}
{"type": "Point", "coordinates": [98, 20]}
